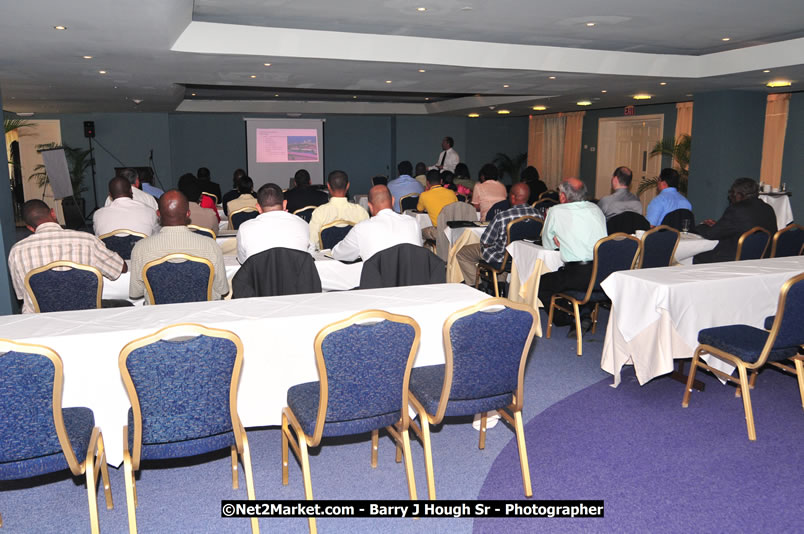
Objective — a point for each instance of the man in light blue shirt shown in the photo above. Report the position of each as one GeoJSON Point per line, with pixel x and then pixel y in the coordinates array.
{"type": "Point", "coordinates": [405, 184]}
{"type": "Point", "coordinates": [668, 199]}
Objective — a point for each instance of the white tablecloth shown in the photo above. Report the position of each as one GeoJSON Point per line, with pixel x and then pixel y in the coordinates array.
{"type": "Point", "coordinates": [657, 313]}
{"type": "Point", "coordinates": [422, 218]}
{"type": "Point", "coordinates": [277, 334]}
{"type": "Point", "coordinates": [529, 262]}
{"type": "Point", "coordinates": [780, 205]}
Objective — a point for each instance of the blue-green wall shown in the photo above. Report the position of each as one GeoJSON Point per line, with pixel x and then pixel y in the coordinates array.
{"type": "Point", "coordinates": [8, 301]}
{"type": "Point", "coordinates": [793, 160]}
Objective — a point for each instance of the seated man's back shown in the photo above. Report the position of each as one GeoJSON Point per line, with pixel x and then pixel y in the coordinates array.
{"type": "Point", "coordinates": [124, 212]}
{"type": "Point", "coordinates": [668, 199]}
{"type": "Point", "coordinates": [273, 227]}
{"type": "Point", "coordinates": [338, 207]}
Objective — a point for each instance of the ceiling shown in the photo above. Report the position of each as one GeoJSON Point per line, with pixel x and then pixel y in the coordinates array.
{"type": "Point", "coordinates": [385, 56]}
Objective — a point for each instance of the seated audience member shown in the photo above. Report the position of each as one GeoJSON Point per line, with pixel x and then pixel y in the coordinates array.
{"type": "Point", "coordinates": [421, 174]}
{"type": "Point", "coordinates": [175, 237]}
{"type": "Point", "coordinates": [379, 180]}
{"type": "Point", "coordinates": [303, 194]}
{"type": "Point", "coordinates": [273, 227]}
{"type": "Point", "coordinates": [531, 177]}
{"type": "Point", "coordinates": [745, 211]}
{"type": "Point", "coordinates": [235, 192]}
{"type": "Point", "coordinates": [124, 212]}
{"type": "Point", "coordinates": [462, 177]}
{"type": "Point", "coordinates": [489, 191]}
{"type": "Point", "coordinates": [199, 216]}
{"type": "Point", "coordinates": [338, 207]}
{"type": "Point", "coordinates": [147, 184]}
{"type": "Point", "coordinates": [668, 199]}
{"type": "Point", "coordinates": [621, 200]}
{"type": "Point", "coordinates": [385, 229]}
{"type": "Point", "coordinates": [433, 201]}
{"type": "Point", "coordinates": [247, 199]}
{"type": "Point", "coordinates": [573, 227]}
{"type": "Point", "coordinates": [50, 243]}
{"type": "Point", "coordinates": [448, 181]}
{"type": "Point", "coordinates": [137, 194]}
{"type": "Point", "coordinates": [207, 185]}
{"type": "Point", "coordinates": [491, 248]}
{"type": "Point", "coordinates": [404, 184]}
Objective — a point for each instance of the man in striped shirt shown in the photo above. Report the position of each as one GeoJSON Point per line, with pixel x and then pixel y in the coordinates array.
{"type": "Point", "coordinates": [50, 243]}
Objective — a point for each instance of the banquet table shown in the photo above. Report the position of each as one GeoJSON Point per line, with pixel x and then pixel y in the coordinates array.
{"type": "Point", "coordinates": [529, 262]}
{"type": "Point", "coordinates": [459, 238]}
{"type": "Point", "coordinates": [689, 245]}
{"type": "Point", "coordinates": [656, 313]}
{"type": "Point", "coordinates": [780, 202]}
{"type": "Point", "coordinates": [277, 334]}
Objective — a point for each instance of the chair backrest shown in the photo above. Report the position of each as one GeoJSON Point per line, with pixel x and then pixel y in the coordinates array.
{"type": "Point", "coordinates": [182, 383]}
{"type": "Point", "coordinates": [31, 422]}
{"type": "Point", "coordinates": [122, 241]}
{"type": "Point", "coordinates": [627, 222]}
{"type": "Point", "coordinates": [409, 202]}
{"type": "Point", "coordinates": [617, 252]}
{"type": "Point", "coordinates": [403, 265]}
{"type": "Point", "coordinates": [456, 211]}
{"type": "Point", "coordinates": [238, 217]}
{"type": "Point", "coordinates": [552, 195]}
{"type": "Point", "coordinates": [201, 230]}
{"type": "Point", "coordinates": [499, 207]}
{"type": "Point", "coordinates": [63, 286]}
{"type": "Point", "coordinates": [753, 244]}
{"type": "Point", "coordinates": [364, 365]}
{"type": "Point", "coordinates": [675, 219]}
{"type": "Point", "coordinates": [210, 195]}
{"type": "Point", "coordinates": [786, 331]}
{"type": "Point", "coordinates": [461, 198]}
{"type": "Point", "coordinates": [178, 278]}
{"type": "Point", "coordinates": [658, 247]}
{"type": "Point", "coordinates": [486, 347]}
{"type": "Point", "coordinates": [788, 241]}
{"type": "Point", "coordinates": [333, 233]}
{"type": "Point", "coordinates": [276, 271]}
{"type": "Point", "coordinates": [545, 203]}
{"type": "Point", "coordinates": [305, 213]}
{"type": "Point", "coordinates": [526, 227]}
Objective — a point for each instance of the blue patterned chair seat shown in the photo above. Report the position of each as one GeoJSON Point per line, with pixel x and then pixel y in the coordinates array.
{"type": "Point", "coordinates": [179, 282]}
{"type": "Point", "coordinates": [180, 448]}
{"type": "Point", "coordinates": [63, 290]}
{"type": "Point", "coordinates": [426, 383]}
{"type": "Point", "coordinates": [333, 235]}
{"type": "Point", "coordinates": [745, 342]}
{"type": "Point", "coordinates": [121, 244]}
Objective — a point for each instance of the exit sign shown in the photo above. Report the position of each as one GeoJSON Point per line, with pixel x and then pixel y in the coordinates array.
{"type": "Point", "coordinates": [630, 110]}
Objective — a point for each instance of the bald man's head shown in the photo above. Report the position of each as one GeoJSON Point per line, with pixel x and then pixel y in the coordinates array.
{"type": "Point", "coordinates": [379, 198]}
{"type": "Point", "coordinates": [174, 209]}
{"type": "Point", "coordinates": [520, 193]}
{"type": "Point", "coordinates": [119, 187]}
{"type": "Point", "coordinates": [571, 190]}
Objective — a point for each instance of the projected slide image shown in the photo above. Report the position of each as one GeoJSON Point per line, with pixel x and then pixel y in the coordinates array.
{"type": "Point", "coordinates": [283, 145]}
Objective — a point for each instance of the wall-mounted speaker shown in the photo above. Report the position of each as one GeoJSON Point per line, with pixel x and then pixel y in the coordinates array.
{"type": "Point", "coordinates": [89, 128]}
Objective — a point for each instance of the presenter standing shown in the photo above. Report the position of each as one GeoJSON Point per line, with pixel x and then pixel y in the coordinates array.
{"type": "Point", "coordinates": [448, 158]}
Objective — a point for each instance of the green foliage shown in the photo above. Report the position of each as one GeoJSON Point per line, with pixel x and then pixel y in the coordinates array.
{"type": "Point", "coordinates": [78, 161]}
{"type": "Point", "coordinates": [510, 166]}
{"type": "Point", "coordinates": [680, 153]}
{"type": "Point", "coordinates": [13, 124]}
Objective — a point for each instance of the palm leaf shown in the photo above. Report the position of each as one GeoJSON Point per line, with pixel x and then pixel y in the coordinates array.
{"type": "Point", "coordinates": [510, 166]}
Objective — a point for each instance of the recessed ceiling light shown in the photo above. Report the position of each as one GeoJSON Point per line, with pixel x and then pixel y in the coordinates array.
{"type": "Point", "coordinates": [354, 96]}
{"type": "Point", "coordinates": [192, 94]}
{"type": "Point", "coordinates": [59, 27]}
{"type": "Point", "coordinates": [503, 112]}
{"type": "Point", "coordinates": [603, 91]}
{"type": "Point", "coordinates": [466, 8]}
{"type": "Point", "coordinates": [766, 70]}
{"type": "Point", "coordinates": [422, 70]}
{"type": "Point", "coordinates": [267, 64]}
{"type": "Point", "coordinates": [662, 83]}
{"type": "Point", "coordinates": [591, 24]}
{"type": "Point", "coordinates": [539, 108]}
{"type": "Point", "coordinates": [551, 77]}
{"type": "Point", "coordinates": [276, 94]}
{"type": "Point", "coordinates": [421, 9]}
{"type": "Point", "coordinates": [506, 85]}
{"type": "Point", "coordinates": [642, 96]}
{"type": "Point", "coordinates": [779, 83]}
{"type": "Point", "coordinates": [87, 57]}
{"type": "Point", "coordinates": [427, 98]}
{"type": "Point", "coordinates": [473, 115]}
{"type": "Point", "coordinates": [584, 103]}
{"type": "Point", "coordinates": [726, 39]}
{"type": "Point", "coordinates": [688, 94]}
{"type": "Point", "coordinates": [388, 81]}
{"type": "Point", "coordinates": [101, 72]}
{"type": "Point", "coordinates": [253, 76]}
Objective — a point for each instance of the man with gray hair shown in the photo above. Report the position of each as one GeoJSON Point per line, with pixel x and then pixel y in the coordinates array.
{"type": "Point", "coordinates": [137, 194]}
{"type": "Point", "coordinates": [573, 227]}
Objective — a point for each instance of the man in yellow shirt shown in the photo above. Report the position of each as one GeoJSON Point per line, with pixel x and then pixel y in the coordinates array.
{"type": "Point", "coordinates": [433, 200]}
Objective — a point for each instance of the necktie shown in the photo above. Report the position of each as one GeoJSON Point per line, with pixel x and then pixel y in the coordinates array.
{"type": "Point", "coordinates": [443, 157]}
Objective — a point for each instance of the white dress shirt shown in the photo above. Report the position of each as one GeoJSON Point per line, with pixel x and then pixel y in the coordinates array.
{"type": "Point", "coordinates": [272, 229]}
{"type": "Point", "coordinates": [451, 160]}
{"type": "Point", "coordinates": [139, 196]}
{"type": "Point", "coordinates": [125, 213]}
{"type": "Point", "coordinates": [384, 230]}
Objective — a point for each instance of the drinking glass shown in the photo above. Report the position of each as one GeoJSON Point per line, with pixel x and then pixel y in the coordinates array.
{"type": "Point", "coordinates": [685, 225]}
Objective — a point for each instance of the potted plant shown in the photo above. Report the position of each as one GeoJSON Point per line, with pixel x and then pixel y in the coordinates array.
{"type": "Point", "coordinates": [78, 161]}
{"type": "Point", "coordinates": [680, 154]}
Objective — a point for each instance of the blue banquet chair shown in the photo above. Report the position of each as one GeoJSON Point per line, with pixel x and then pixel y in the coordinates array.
{"type": "Point", "coordinates": [63, 286]}
{"type": "Point", "coordinates": [658, 247]}
{"type": "Point", "coordinates": [753, 244]}
{"type": "Point", "coordinates": [122, 241]}
{"type": "Point", "coordinates": [528, 228]}
{"type": "Point", "coordinates": [333, 233]}
{"type": "Point", "coordinates": [178, 277]}
{"type": "Point", "coordinates": [305, 213]}
{"type": "Point", "coordinates": [486, 347]}
{"type": "Point", "coordinates": [789, 241]}
{"type": "Point", "coordinates": [749, 348]}
{"type": "Point", "coordinates": [364, 365]}
{"type": "Point", "coordinates": [238, 217]}
{"type": "Point", "coordinates": [201, 230]}
{"type": "Point", "coordinates": [37, 435]}
{"type": "Point", "coordinates": [182, 383]}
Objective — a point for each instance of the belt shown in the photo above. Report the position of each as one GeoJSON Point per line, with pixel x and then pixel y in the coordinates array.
{"type": "Point", "coordinates": [579, 263]}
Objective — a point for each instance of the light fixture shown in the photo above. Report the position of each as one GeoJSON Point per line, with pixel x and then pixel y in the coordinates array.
{"type": "Point", "coordinates": [421, 9]}
{"type": "Point", "coordinates": [24, 113]}
{"type": "Point", "coordinates": [422, 70]}
{"type": "Point", "coordinates": [503, 112]}
{"type": "Point", "coordinates": [87, 57]}
{"type": "Point", "coordinates": [539, 108]}
{"type": "Point", "coordinates": [101, 72]}
{"type": "Point", "coordinates": [642, 96]}
{"type": "Point", "coordinates": [688, 94]}
{"type": "Point", "coordinates": [726, 39]}
{"type": "Point", "coordinates": [551, 77]}
{"type": "Point", "coordinates": [192, 94]}
{"type": "Point", "coordinates": [276, 94]}
{"type": "Point", "coordinates": [766, 71]}
{"type": "Point", "coordinates": [355, 96]}
{"type": "Point", "coordinates": [505, 85]}
{"type": "Point", "coordinates": [662, 83]}
{"type": "Point", "coordinates": [591, 24]}
{"type": "Point", "coordinates": [267, 64]}
{"type": "Point", "coordinates": [584, 103]}
{"type": "Point", "coordinates": [388, 81]}
{"type": "Point", "coordinates": [473, 115]}
{"type": "Point", "coordinates": [427, 98]}
{"type": "Point", "coordinates": [59, 27]}
{"type": "Point", "coordinates": [253, 76]}
{"type": "Point", "coordinates": [603, 91]}
{"type": "Point", "coordinates": [779, 83]}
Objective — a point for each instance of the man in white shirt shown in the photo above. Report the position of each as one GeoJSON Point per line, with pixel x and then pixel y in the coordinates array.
{"type": "Point", "coordinates": [448, 158]}
{"type": "Point", "coordinates": [136, 193]}
{"type": "Point", "coordinates": [338, 207]}
{"type": "Point", "coordinates": [124, 213]}
{"type": "Point", "coordinates": [273, 227]}
{"type": "Point", "coordinates": [385, 229]}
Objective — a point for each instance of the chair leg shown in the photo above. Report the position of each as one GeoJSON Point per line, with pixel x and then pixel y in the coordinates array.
{"type": "Point", "coordinates": [246, 459]}
{"type": "Point", "coordinates": [482, 440]}
{"type": "Point", "coordinates": [428, 457]}
{"type": "Point", "coordinates": [131, 491]}
{"type": "Point", "coordinates": [685, 402]}
{"type": "Point", "coordinates": [1, 520]}
{"type": "Point", "coordinates": [235, 482]}
{"type": "Point", "coordinates": [375, 443]}
{"type": "Point", "coordinates": [594, 317]}
{"type": "Point", "coordinates": [308, 484]}
{"type": "Point", "coordinates": [578, 331]}
{"type": "Point", "coordinates": [523, 453]}
{"type": "Point", "coordinates": [285, 430]}
{"type": "Point", "coordinates": [100, 462]}
{"type": "Point", "coordinates": [749, 413]}
{"type": "Point", "coordinates": [550, 316]}
{"type": "Point", "coordinates": [753, 380]}
{"type": "Point", "coordinates": [409, 465]}
{"type": "Point", "coordinates": [92, 483]}
{"type": "Point", "coordinates": [800, 375]}
{"type": "Point", "coordinates": [496, 284]}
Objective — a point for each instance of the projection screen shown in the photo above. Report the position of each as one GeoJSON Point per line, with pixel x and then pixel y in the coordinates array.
{"type": "Point", "coordinates": [277, 148]}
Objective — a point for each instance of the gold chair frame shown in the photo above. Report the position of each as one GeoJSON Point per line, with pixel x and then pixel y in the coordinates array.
{"type": "Point", "coordinates": [406, 196]}
{"type": "Point", "coordinates": [131, 459]}
{"type": "Point", "coordinates": [305, 208]}
{"type": "Point", "coordinates": [652, 231]}
{"type": "Point", "coordinates": [514, 418]}
{"type": "Point", "coordinates": [212, 196]}
{"type": "Point", "coordinates": [95, 460]}
{"type": "Point", "coordinates": [481, 266]}
{"type": "Point", "coordinates": [338, 222]}
{"type": "Point", "coordinates": [176, 256]}
{"type": "Point", "coordinates": [544, 194]}
{"type": "Point", "coordinates": [576, 304]}
{"type": "Point", "coordinates": [742, 367]}
{"type": "Point", "coordinates": [122, 231]}
{"type": "Point", "coordinates": [56, 264]}
{"type": "Point", "coordinates": [241, 210]}
{"type": "Point", "coordinates": [203, 229]}
{"type": "Point", "coordinates": [744, 236]}
{"type": "Point", "coordinates": [399, 431]}
{"type": "Point", "coordinates": [778, 235]}
{"type": "Point", "coordinates": [540, 200]}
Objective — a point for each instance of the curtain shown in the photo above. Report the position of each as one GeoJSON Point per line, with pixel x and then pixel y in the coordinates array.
{"type": "Point", "coordinates": [683, 119]}
{"type": "Point", "coordinates": [553, 156]}
{"type": "Point", "coordinates": [572, 144]}
{"type": "Point", "coordinates": [536, 142]}
{"type": "Point", "coordinates": [773, 139]}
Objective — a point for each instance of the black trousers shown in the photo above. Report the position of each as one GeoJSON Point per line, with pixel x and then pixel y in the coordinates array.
{"type": "Point", "coordinates": [571, 276]}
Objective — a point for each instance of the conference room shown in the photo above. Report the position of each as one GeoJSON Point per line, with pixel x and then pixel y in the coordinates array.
{"type": "Point", "coordinates": [276, 87]}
